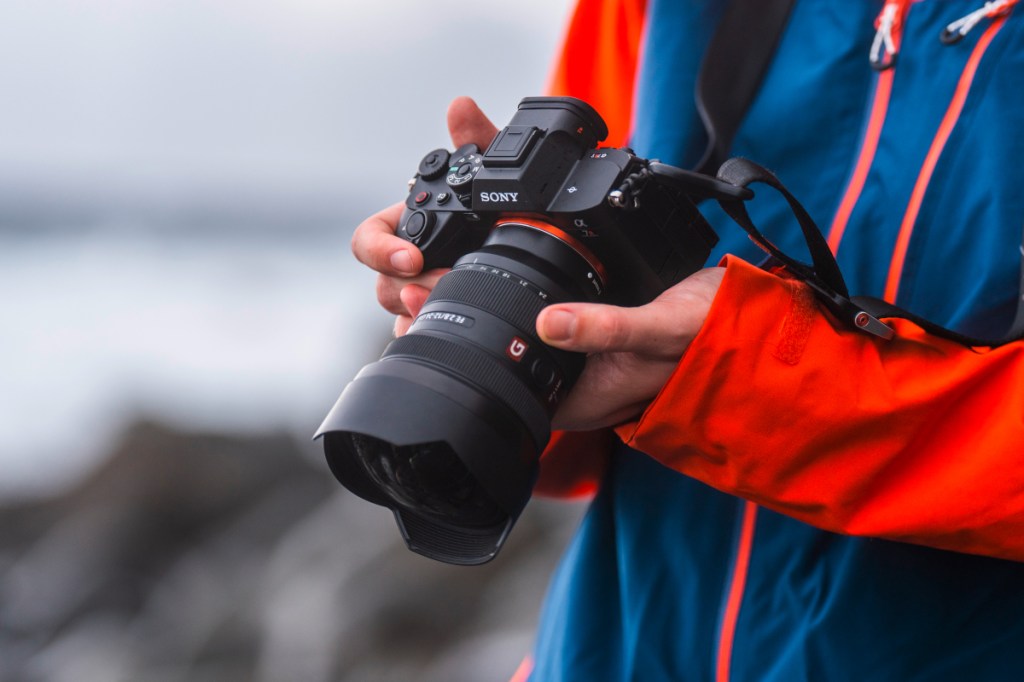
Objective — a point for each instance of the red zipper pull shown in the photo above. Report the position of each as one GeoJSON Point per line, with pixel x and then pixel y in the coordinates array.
{"type": "Point", "coordinates": [889, 30]}
{"type": "Point", "coordinates": [956, 30]}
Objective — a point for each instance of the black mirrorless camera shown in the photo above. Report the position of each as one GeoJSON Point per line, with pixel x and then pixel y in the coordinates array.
{"type": "Point", "coordinates": [447, 427]}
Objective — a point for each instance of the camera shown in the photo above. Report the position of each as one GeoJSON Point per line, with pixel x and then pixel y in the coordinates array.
{"type": "Point", "coordinates": [446, 429]}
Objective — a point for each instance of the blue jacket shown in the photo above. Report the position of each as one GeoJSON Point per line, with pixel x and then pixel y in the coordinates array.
{"type": "Point", "coordinates": [669, 579]}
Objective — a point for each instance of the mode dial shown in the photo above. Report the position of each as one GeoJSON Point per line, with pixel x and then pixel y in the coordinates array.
{"type": "Point", "coordinates": [462, 169]}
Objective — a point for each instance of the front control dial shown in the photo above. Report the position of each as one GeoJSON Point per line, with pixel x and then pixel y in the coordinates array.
{"type": "Point", "coordinates": [434, 164]}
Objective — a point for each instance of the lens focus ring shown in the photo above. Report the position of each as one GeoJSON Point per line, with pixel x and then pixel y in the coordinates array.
{"type": "Point", "coordinates": [503, 297]}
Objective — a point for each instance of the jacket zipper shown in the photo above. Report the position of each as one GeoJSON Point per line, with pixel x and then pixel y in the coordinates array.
{"type": "Point", "coordinates": [883, 57]}
{"type": "Point", "coordinates": [884, 50]}
{"type": "Point", "coordinates": [998, 11]}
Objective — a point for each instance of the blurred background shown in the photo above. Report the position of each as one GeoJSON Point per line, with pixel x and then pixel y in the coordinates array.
{"type": "Point", "coordinates": [179, 181]}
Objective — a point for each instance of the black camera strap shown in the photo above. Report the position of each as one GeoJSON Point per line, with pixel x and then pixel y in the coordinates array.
{"type": "Point", "coordinates": [732, 69]}
{"type": "Point", "coordinates": [863, 313]}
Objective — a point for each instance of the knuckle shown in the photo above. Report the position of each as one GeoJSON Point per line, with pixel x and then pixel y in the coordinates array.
{"type": "Point", "coordinates": [382, 289]}
{"type": "Point", "coordinates": [388, 295]}
{"type": "Point", "coordinates": [610, 330]}
{"type": "Point", "coordinates": [356, 244]}
{"type": "Point", "coordinates": [365, 248]}
{"type": "Point", "coordinates": [372, 241]}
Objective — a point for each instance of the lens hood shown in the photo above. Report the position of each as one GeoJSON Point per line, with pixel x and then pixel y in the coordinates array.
{"type": "Point", "coordinates": [406, 403]}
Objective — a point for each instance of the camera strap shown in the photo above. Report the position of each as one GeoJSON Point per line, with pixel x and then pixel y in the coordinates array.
{"type": "Point", "coordinates": [823, 276]}
{"type": "Point", "coordinates": [733, 67]}
{"type": "Point", "coordinates": [734, 64]}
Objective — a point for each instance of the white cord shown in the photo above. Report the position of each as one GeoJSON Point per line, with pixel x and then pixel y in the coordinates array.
{"type": "Point", "coordinates": [962, 26]}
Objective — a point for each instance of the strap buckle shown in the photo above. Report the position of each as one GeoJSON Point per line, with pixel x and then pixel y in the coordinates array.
{"type": "Point", "coordinates": [823, 276]}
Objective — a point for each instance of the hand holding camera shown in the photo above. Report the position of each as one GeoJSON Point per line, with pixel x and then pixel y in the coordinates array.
{"type": "Point", "coordinates": [631, 350]}
{"type": "Point", "coordinates": [547, 236]}
{"type": "Point", "coordinates": [400, 263]}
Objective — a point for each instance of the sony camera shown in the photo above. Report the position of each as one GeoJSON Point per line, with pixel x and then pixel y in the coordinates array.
{"type": "Point", "coordinates": [446, 429]}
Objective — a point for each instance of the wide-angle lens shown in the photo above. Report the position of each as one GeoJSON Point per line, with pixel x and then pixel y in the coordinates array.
{"type": "Point", "coordinates": [446, 429]}
{"type": "Point", "coordinates": [427, 478]}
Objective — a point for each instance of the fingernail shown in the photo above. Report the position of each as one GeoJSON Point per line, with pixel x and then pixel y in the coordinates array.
{"type": "Point", "coordinates": [559, 325]}
{"type": "Point", "coordinates": [402, 261]}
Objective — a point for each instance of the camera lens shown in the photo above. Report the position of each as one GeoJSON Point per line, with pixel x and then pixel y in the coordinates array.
{"type": "Point", "coordinates": [427, 478]}
{"type": "Point", "coordinates": [447, 427]}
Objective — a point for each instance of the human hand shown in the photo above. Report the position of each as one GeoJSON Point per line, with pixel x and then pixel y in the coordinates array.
{"type": "Point", "coordinates": [401, 286]}
{"type": "Point", "coordinates": [632, 351]}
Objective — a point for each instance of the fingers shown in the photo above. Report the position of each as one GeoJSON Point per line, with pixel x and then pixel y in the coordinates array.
{"type": "Point", "coordinates": [594, 328]}
{"type": "Point", "coordinates": [374, 244]}
{"type": "Point", "coordinates": [401, 287]}
{"type": "Point", "coordinates": [613, 388]}
{"type": "Point", "coordinates": [390, 291]}
{"type": "Point", "coordinates": [468, 124]}
{"type": "Point", "coordinates": [402, 324]}
{"type": "Point", "coordinates": [412, 296]}
{"type": "Point", "coordinates": [662, 328]}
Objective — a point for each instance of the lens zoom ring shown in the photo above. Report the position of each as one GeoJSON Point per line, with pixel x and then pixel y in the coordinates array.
{"type": "Point", "coordinates": [503, 297]}
{"type": "Point", "coordinates": [479, 368]}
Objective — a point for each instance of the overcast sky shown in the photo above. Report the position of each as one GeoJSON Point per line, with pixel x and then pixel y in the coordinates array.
{"type": "Point", "coordinates": [175, 98]}
{"type": "Point", "coordinates": [120, 115]}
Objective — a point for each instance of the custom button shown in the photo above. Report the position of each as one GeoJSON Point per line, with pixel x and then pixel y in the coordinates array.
{"type": "Point", "coordinates": [443, 197]}
{"type": "Point", "coordinates": [543, 373]}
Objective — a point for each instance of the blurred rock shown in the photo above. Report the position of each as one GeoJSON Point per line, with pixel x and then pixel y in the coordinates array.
{"type": "Point", "coordinates": [192, 556]}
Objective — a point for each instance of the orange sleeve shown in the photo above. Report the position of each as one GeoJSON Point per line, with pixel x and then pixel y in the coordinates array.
{"type": "Point", "coordinates": [574, 462]}
{"type": "Point", "coordinates": [917, 439]}
{"type": "Point", "coordinates": [598, 61]}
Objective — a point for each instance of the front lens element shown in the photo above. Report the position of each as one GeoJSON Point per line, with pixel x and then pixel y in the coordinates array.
{"type": "Point", "coordinates": [427, 478]}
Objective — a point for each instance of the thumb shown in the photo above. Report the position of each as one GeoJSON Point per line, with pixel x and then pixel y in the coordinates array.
{"type": "Point", "coordinates": [662, 328]}
{"type": "Point", "coordinates": [468, 124]}
{"type": "Point", "coordinates": [596, 328]}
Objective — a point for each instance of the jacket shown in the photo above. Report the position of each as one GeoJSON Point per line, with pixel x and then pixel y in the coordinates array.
{"type": "Point", "coordinates": [804, 502]}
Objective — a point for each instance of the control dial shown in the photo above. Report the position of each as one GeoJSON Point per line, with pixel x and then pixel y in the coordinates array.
{"type": "Point", "coordinates": [434, 164]}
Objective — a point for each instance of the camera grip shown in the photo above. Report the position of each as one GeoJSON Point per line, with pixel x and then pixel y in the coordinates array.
{"type": "Point", "coordinates": [443, 237]}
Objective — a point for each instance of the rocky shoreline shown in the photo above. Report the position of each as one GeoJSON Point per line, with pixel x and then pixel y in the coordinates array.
{"type": "Point", "coordinates": [204, 556]}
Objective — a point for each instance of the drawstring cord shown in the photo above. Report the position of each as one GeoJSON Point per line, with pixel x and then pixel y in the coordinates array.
{"type": "Point", "coordinates": [955, 31]}
{"type": "Point", "coordinates": [889, 28]}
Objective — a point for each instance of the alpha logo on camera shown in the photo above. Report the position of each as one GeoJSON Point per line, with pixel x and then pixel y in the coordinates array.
{"type": "Point", "coordinates": [499, 197]}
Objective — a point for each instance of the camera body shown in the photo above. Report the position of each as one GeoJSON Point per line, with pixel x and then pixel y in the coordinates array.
{"type": "Point", "coordinates": [446, 429]}
{"type": "Point", "coordinates": [546, 164]}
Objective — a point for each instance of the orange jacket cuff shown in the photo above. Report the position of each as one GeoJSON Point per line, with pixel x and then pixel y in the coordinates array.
{"type": "Point", "coordinates": [915, 439]}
